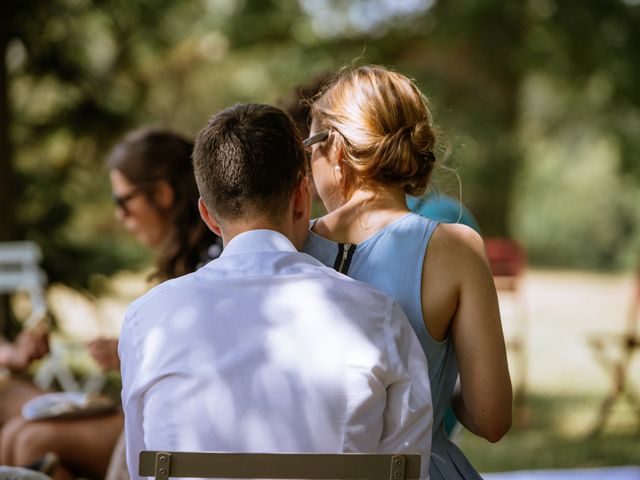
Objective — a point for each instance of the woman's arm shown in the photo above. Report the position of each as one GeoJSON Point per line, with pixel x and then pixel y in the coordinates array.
{"type": "Point", "coordinates": [484, 405]}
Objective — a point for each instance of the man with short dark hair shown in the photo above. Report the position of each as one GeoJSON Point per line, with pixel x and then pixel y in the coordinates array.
{"type": "Point", "coordinates": [273, 162]}
{"type": "Point", "coordinates": [265, 349]}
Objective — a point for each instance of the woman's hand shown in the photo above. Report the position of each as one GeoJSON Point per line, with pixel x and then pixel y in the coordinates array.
{"type": "Point", "coordinates": [28, 346]}
{"type": "Point", "coordinates": [105, 352]}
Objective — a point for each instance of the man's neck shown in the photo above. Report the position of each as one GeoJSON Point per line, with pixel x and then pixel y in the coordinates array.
{"type": "Point", "coordinates": [230, 230]}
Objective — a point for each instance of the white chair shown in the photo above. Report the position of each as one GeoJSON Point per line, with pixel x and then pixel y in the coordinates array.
{"type": "Point", "coordinates": [339, 466]}
{"type": "Point", "coordinates": [20, 271]}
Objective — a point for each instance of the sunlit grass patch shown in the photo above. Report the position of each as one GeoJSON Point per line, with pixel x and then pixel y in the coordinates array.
{"type": "Point", "coordinates": [557, 436]}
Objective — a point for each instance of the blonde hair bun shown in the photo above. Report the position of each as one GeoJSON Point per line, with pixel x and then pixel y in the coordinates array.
{"type": "Point", "coordinates": [385, 127]}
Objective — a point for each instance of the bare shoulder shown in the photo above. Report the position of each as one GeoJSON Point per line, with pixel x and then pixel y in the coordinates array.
{"type": "Point", "coordinates": [457, 241]}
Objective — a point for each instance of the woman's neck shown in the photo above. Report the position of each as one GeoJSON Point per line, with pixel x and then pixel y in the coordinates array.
{"type": "Point", "coordinates": [365, 213]}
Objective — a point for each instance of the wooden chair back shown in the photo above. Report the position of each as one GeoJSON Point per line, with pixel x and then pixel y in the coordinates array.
{"type": "Point", "coordinates": [347, 466]}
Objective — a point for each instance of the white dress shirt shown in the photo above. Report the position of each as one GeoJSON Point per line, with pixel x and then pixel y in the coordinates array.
{"type": "Point", "coordinates": [267, 350]}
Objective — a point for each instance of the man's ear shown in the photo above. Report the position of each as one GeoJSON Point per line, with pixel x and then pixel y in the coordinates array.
{"type": "Point", "coordinates": [300, 213]}
{"type": "Point", "coordinates": [207, 218]}
{"type": "Point", "coordinates": [302, 200]}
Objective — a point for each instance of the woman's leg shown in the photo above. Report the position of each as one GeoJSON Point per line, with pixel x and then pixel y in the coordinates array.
{"type": "Point", "coordinates": [83, 445]}
{"type": "Point", "coordinates": [8, 436]}
{"type": "Point", "coordinates": [14, 393]}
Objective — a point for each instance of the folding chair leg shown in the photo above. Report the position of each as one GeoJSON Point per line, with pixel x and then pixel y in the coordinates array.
{"type": "Point", "coordinates": [620, 388]}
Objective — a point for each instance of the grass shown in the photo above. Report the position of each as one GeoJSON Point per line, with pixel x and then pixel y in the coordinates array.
{"type": "Point", "coordinates": [557, 436]}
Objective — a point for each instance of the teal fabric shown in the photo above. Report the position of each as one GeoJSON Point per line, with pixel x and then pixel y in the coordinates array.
{"type": "Point", "coordinates": [391, 260]}
{"type": "Point", "coordinates": [442, 208]}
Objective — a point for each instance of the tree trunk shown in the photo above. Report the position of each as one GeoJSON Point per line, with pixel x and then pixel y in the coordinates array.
{"type": "Point", "coordinates": [7, 221]}
{"type": "Point", "coordinates": [7, 193]}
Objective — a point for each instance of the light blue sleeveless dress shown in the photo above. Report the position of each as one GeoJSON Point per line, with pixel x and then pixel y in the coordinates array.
{"type": "Point", "coordinates": [391, 260]}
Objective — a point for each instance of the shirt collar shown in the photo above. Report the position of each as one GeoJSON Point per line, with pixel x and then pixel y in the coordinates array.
{"type": "Point", "coordinates": [258, 241]}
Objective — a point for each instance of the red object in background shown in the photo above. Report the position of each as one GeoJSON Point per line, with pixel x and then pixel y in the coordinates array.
{"type": "Point", "coordinates": [507, 258]}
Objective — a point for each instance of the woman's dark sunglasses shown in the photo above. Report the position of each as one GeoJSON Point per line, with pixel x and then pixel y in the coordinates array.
{"type": "Point", "coordinates": [122, 200]}
{"type": "Point", "coordinates": [318, 137]}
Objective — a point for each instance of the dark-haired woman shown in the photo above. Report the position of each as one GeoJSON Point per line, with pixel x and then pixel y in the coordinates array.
{"type": "Point", "coordinates": [372, 142]}
{"type": "Point", "coordinates": [156, 199]}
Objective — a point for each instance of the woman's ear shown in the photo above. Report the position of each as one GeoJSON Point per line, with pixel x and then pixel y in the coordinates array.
{"type": "Point", "coordinates": [207, 218]}
{"type": "Point", "coordinates": [164, 196]}
{"type": "Point", "coordinates": [338, 157]}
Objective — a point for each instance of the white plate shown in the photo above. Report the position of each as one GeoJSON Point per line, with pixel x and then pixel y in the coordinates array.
{"type": "Point", "coordinates": [65, 405]}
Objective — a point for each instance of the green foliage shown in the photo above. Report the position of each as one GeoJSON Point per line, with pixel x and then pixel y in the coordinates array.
{"type": "Point", "coordinates": [574, 209]}
{"type": "Point", "coordinates": [575, 203]}
{"type": "Point", "coordinates": [78, 80]}
{"type": "Point", "coordinates": [82, 72]}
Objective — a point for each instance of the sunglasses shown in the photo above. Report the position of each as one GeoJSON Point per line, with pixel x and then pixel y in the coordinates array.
{"type": "Point", "coordinates": [122, 200]}
{"type": "Point", "coordinates": [317, 138]}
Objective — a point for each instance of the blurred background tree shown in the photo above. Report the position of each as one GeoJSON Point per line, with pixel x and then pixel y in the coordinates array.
{"type": "Point", "coordinates": [75, 76]}
{"type": "Point", "coordinates": [538, 101]}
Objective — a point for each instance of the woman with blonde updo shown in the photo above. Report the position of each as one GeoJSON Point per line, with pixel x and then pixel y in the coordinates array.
{"type": "Point", "coordinates": [372, 143]}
